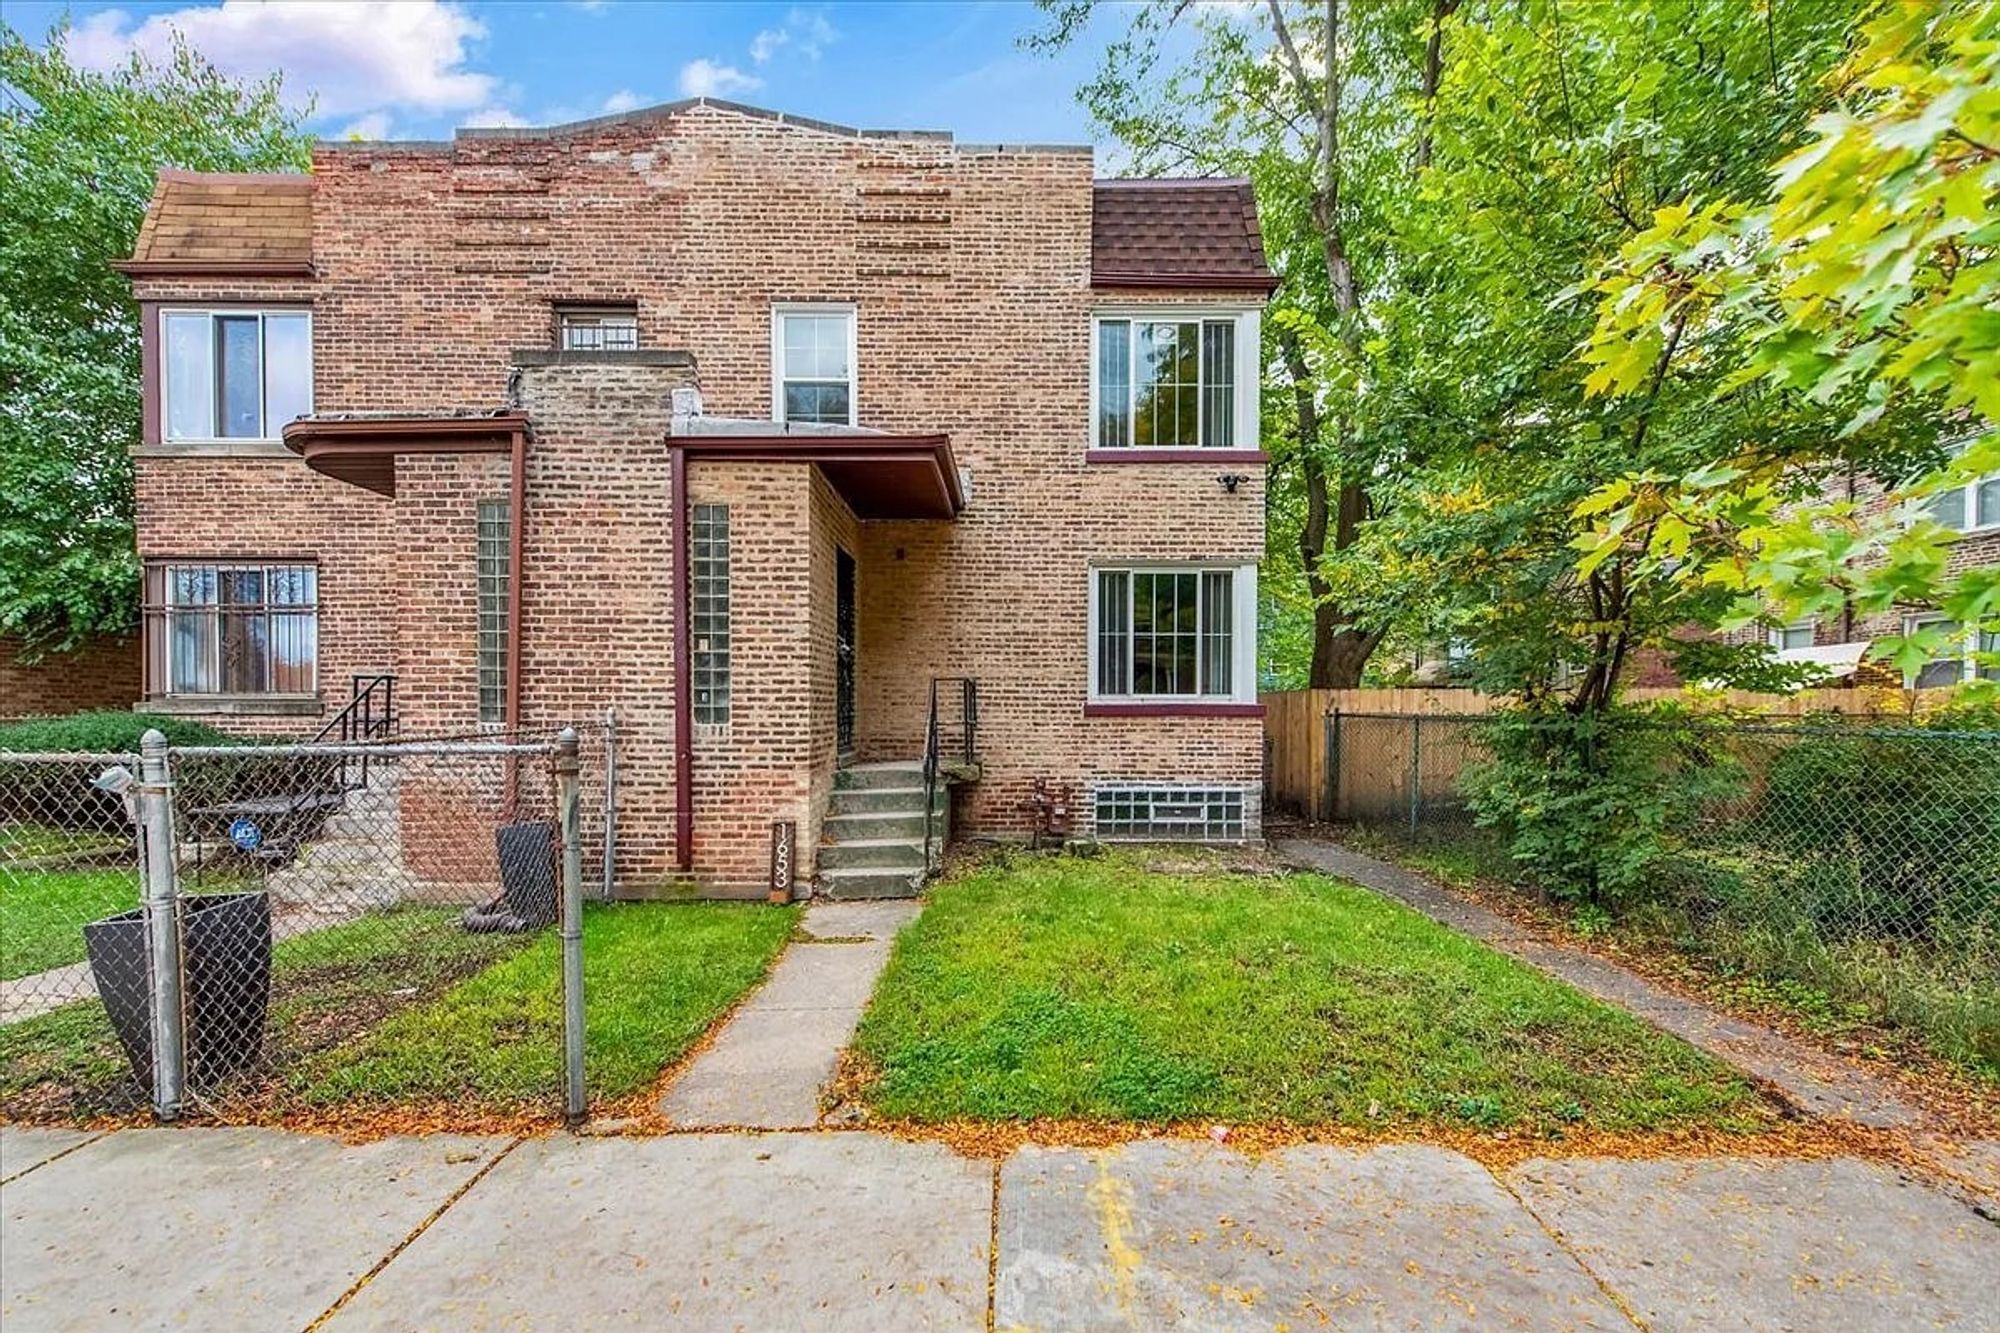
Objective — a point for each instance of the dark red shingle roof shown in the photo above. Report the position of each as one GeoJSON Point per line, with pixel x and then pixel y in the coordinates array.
{"type": "Point", "coordinates": [1177, 233]}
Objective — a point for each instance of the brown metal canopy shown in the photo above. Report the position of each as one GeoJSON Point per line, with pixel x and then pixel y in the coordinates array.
{"type": "Point", "coordinates": [362, 449]}
{"type": "Point", "coordinates": [880, 476]}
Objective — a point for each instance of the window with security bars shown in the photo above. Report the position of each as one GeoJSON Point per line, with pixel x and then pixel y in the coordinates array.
{"type": "Point", "coordinates": [1166, 383]}
{"type": "Point", "coordinates": [597, 329]}
{"type": "Point", "coordinates": [1165, 633]}
{"type": "Point", "coordinates": [495, 559]}
{"type": "Point", "coordinates": [231, 628]}
{"type": "Point", "coordinates": [709, 613]}
{"type": "Point", "coordinates": [1170, 813]}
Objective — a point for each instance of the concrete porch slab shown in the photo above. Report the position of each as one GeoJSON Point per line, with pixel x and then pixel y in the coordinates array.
{"type": "Point", "coordinates": [829, 1232]}
{"type": "Point", "coordinates": [1736, 1243]}
{"type": "Point", "coordinates": [1163, 1234]}
{"type": "Point", "coordinates": [214, 1228]}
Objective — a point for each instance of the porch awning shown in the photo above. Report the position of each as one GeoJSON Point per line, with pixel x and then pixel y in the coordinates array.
{"type": "Point", "coordinates": [361, 448]}
{"type": "Point", "coordinates": [881, 476]}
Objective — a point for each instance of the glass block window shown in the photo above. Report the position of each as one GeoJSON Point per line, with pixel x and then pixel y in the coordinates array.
{"type": "Point", "coordinates": [709, 613]}
{"type": "Point", "coordinates": [597, 328]}
{"type": "Point", "coordinates": [1170, 813]}
{"type": "Point", "coordinates": [812, 358]}
{"type": "Point", "coordinates": [1165, 632]}
{"type": "Point", "coordinates": [1166, 383]}
{"type": "Point", "coordinates": [232, 628]}
{"type": "Point", "coordinates": [234, 374]}
{"type": "Point", "coordinates": [495, 556]}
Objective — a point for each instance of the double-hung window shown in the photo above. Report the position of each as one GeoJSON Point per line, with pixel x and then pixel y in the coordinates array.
{"type": "Point", "coordinates": [1972, 506]}
{"type": "Point", "coordinates": [1173, 632]}
{"type": "Point", "coordinates": [812, 365]}
{"type": "Point", "coordinates": [1164, 380]}
{"type": "Point", "coordinates": [232, 628]}
{"type": "Point", "coordinates": [1789, 638]}
{"type": "Point", "coordinates": [1956, 657]}
{"type": "Point", "coordinates": [234, 374]}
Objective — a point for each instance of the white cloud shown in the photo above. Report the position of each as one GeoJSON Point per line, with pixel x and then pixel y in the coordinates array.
{"type": "Point", "coordinates": [374, 125]}
{"type": "Point", "coordinates": [709, 78]}
{"type": "Point", "coordinates": [621, 101]}
{"type": "Point", "coordinates": [493, 118]}
{"type": "Point", "coordinates": [352, 55]}
{"type": "Point", "coordinates": [806, 31]}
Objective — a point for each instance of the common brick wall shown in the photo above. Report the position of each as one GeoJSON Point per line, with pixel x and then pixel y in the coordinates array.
{"type": "Point", "coordinates": [969, 268]}
{"type": "Point", "coordinates": [102, 673]}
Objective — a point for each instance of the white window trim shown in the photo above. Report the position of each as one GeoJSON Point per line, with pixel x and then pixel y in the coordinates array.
{"type": "Point", "coordinates": [1249, 370]}
{"type": "Point", "coordinates": [1968, 667]}
{"type": "Point", "coordinates": [1243, 630]}
{"type": "Point", "coordinates": [1776, 634]}
{"type": "Point", "coordinates": [1969, 492]}
{"type": "Point", "coordinates": [846, 309]}
{"type": "Point", "coordinates": [166, 375]}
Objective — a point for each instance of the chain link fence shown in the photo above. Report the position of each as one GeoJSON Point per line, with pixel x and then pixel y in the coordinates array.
{"type": "Point", "coordinates": [251, 932]}
{"type": "Point", "coordinates": [1860, 860]}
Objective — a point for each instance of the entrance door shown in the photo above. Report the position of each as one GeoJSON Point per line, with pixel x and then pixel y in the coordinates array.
{"type": "Point", "coordinates": [843, 650]}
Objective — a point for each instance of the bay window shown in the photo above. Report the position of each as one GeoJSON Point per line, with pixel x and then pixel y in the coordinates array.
{"type": "Point", "coordinates": [1171, 380]}
{"type": "Point", "coordinates": [1173, 633]}
{"type": "Point", "coordinates": [235, 373]}
{"type": "Point", "coordinates": [232, 628]}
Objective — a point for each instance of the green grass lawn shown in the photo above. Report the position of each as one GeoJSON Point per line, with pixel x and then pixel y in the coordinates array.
{"type": "Point", "coordinates": [655, 976]}
{"type": "Point", "coordinates": [404, 1006]}
{"type": "Point", "coordinates": [1099, 989]}
{"type": "Point", "coordinates": [43, 913]}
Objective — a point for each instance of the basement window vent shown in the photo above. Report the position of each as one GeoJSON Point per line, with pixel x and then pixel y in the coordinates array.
{"type": "Point", "coordinates": [1168, 813]}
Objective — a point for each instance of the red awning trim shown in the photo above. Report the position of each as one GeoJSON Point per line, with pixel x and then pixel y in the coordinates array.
{"type": "Point", "coordinates": [880, 476]}
{"type": "Point", "coordinates": [363, 450]}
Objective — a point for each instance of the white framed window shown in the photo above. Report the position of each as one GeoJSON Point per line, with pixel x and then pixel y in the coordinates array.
{"type": "Point", "coordinates": [1972, 507]}
{"type": "Point", "coordinates": [1174, 379]}
{"type": "Point", "coordinates": [1953, 661]}
{"type": "Point", "coordinates": [235, 373]}
{"type": "Point", "coordinates": [813, 357]}
{"type": "Point", "coordinates": [581, 328]}
{"type": "Point", "coordinates": [1788, 638]}
{"type": "Point", "coordinates": [232, 628]}
{"type": "Point", "coordinates": [1173, 632]}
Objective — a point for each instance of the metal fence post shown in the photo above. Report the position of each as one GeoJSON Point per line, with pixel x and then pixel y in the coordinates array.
{"type": "Point", "coordinates": [569, 804]}
{"type": "Point", "coordinates": [1416, 768]}
{"type": "Point", "coordinates": [163, 925]}
{"type": "Point", "coordinates": [610, 799]}
{"type": "Point", "coordinates": [1329, 793]}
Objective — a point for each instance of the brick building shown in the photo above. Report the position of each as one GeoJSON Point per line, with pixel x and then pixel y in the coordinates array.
{"type": "Point", "coordinates": [751, 427]}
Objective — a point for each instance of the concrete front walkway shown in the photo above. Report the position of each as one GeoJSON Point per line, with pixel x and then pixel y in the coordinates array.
{"type": "Point", "coordinates": [767, 1066]}
{"type": "Point", "coordinates": [257, 1229]}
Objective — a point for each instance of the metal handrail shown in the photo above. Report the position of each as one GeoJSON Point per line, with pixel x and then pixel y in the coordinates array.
{"type": "Point", "coordinates": [968, 708]}
{"type": "Point", "coordinates": [357, 721]}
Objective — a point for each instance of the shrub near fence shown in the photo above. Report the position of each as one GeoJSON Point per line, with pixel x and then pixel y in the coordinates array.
{"type": "Point", "coordinates": [1859, 861]}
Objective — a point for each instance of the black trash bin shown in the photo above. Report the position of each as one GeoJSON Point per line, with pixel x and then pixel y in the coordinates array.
{"type": "Point", "coordinates": [226, 973]}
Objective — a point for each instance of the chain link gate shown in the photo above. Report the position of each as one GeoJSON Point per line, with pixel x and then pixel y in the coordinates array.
{"type": "Point", "coordinates": [252, 932]}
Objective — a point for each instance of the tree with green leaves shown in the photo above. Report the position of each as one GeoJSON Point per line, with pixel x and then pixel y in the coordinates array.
{"type": "Point", "coordinates": [78, 155]}
{"type": "Point", "coordinates": [1863, 277]}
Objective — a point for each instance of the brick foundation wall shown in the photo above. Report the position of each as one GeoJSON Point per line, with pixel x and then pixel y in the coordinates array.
{"type": "Point", "coordinates": [102, 673]}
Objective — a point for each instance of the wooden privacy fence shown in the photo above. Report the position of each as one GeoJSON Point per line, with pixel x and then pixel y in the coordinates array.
{"type": "Point", "coordinates": [1377, 774]}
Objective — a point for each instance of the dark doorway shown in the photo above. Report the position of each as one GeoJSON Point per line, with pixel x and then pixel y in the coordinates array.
{"type": "Point", "coordinates": [843, 649]}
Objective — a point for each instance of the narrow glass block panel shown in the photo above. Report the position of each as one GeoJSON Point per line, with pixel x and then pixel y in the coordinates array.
{"type": "Point", "coordinates": [287, 370]}
{"type": "Point", "coordinates": [709, 612]}
{"type": "Point", "coordinates": [494, 574]}
{"type": "Point", "coordinates": [239, 377]}
{"type": "Point", "coordinates": [190, 377]}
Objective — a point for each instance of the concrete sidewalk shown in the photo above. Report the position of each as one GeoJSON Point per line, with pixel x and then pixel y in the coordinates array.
{"type": "Point", "coordinates": [256, 1229]}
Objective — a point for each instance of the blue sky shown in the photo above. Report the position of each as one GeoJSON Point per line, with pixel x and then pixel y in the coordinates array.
{"type": "Point", "coordinates": [417, 68]}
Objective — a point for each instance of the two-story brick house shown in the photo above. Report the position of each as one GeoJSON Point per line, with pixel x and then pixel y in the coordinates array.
{"type": "Point", "coordinates": [750, 426]}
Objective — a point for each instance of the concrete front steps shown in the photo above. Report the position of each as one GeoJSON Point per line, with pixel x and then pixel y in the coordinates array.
{"type": "Point", "coordinates": [872, 843]}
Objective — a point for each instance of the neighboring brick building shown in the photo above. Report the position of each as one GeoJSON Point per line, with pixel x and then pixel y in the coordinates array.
{"type": "Point", "coordinates": [101, 672]}
{"type": "Point", "coordinates": [749, 426]}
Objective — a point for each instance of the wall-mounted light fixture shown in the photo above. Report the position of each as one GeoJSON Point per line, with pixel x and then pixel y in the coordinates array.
{"type": "Point", "coordinates": [1231, 480]}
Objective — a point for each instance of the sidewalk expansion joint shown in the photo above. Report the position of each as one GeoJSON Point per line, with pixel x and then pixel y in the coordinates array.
{"type": "Point", "coordinates": [56, 1157]}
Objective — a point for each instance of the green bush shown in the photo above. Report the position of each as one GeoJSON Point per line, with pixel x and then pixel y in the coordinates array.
{"type": "Point", "coordinates": [1588, 804]}
{"type": "Point", "coordinates": [107, 732]}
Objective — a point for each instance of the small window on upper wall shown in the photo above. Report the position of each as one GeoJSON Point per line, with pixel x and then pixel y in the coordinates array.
{"type": "Point", "coordinates": [1180, 381]}
{"type": "Point", "coordinates": [597, 328]}
{"type": "Point", "coordinates": [1972, 506]}
{"type": "Point", "coordinates": [812, 365]}
{"type": "Point", "coordinates": [234, 374]}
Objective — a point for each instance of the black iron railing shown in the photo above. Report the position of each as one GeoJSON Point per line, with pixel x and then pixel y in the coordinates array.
{"type": "Point", "coordinates": [368, 715]}
{"type": "Point", "coordinates": [965, 751]}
